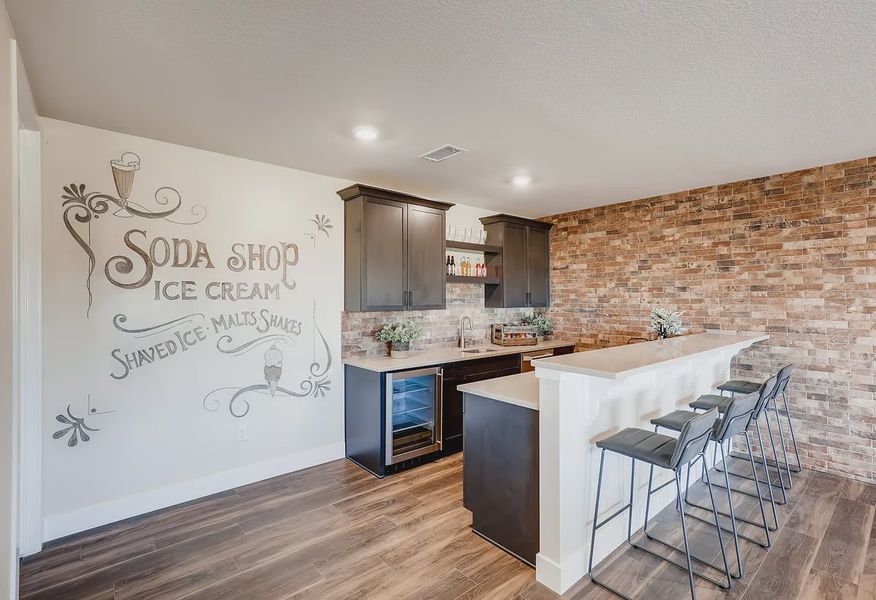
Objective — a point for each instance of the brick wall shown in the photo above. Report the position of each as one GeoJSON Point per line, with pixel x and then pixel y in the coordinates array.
{"type": "Point", "coordinates": [792, 254]}
{"type": "Point", "coordinates": [441, 327]}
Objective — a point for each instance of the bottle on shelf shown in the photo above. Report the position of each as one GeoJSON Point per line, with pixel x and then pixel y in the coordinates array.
{"type": "Point", "coordinates": [453, 265]}
{"type": "Point", "coordinates": [447, 266]}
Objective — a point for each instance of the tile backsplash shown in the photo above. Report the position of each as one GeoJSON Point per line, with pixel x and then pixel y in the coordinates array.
{"type": "Point", "coordinates": [440, 327]}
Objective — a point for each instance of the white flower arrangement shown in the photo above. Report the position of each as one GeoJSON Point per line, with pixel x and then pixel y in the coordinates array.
{"type": "Point", "coordinates": [665, 323]}
{"type": "Point", "coordinates": [403, 332]}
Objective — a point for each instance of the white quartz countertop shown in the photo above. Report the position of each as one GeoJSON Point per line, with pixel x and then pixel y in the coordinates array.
{"type": "Point", "coordinates": [521, 389]}
{"type": "Point", "coordinates": [438, 356]}
{"type": "Point", "coordinates": [620, 361]}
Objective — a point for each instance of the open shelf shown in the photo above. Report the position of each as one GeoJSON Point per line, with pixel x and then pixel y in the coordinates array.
{"type": "Point", "coordinates": [485, 248]}
{"type": "Point", "coordinates": [467, 279]}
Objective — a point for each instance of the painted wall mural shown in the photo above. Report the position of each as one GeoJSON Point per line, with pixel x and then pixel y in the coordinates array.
{"type": "Point", "coordinates": [193, 299]}
{"type": "Point", "coordinates": [81, 208]}
{"type": "Point", "coordinates": [323, 224]}
{"type": "Point", "coordinates": [315, 384]}
{"type": "Point", "coordinates": [74, 428]}
{"type": "Point", "coordinates": [146, 346]}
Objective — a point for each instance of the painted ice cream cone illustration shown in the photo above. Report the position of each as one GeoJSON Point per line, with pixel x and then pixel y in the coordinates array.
{"type": "Point", "coordinates": [123, 175]}
{"type": "Point", "coordinates": [273, 367]}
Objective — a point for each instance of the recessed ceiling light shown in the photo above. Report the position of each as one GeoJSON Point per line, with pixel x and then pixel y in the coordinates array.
{"type": "Point", "coordinates": [521, 180]}
{"type": "Point", "coordinates": [366, 133]}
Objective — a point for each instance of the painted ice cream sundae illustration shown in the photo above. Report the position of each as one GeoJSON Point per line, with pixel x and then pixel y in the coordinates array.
{"type": "Point", "coordinates": [123, 175]}
{"type": "Point", "coordinates": [273, 367]}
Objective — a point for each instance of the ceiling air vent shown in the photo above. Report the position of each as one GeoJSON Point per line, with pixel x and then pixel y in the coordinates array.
{"type": "Point", "coordinates": [444, 152]}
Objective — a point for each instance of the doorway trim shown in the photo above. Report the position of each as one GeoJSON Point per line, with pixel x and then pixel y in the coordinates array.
{"type": "Point", "coordinates": [28, 317]}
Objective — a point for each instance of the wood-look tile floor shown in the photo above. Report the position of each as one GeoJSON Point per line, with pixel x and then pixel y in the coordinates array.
{"type": "Point", "coordinates": [335, 531]}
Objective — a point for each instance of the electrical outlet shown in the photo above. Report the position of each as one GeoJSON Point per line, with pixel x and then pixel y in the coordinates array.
{"type": "Point", "coordinates": [241, 433]}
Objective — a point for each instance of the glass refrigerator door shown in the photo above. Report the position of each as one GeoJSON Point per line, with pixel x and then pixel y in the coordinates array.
{"type": "Point", "coordinates": [414, 419]}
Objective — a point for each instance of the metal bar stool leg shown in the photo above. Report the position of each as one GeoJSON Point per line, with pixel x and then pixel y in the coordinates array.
{"type": "Point", "coordinates": [767, 464]}
{"type": "Point", "coordinates": [597, 524]}
{"type": "Point", "coordinates": [653, 538]}
{"type": "Point", "coordinates": [764, 525]}
{"type": "Point", "coordinates": [798, 468]}
{"type": "Point", "coordinates": [782, 443]}
{"type": "Point", "coordinates": [793, 437]}
{"type": "Point", "coordinates": [596, 514]}
{"type": "Point", "coordinates": [755, 477]}
{"type": "Point", "coordinates": [690, 571]}
{"type": "Point", "coordinates": [718, 529]}
{"type": "Point", "coordinates": [782, 488]}
{"type": "Point", "coordinates": [769, 483]}
{"type": "Point", "coordinates": [686, 551]}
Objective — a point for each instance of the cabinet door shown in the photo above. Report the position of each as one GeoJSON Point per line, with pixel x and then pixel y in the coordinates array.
{"type": "Point", "coordinates": [514, 266]}
{"type": "Point", "coordinates": [385, 262]}
{"type": "Point", "coordinates": [538, 266]}
{"type": "Point", "coordinates": [426, 277]}
{"type": "Point", "coordinates": [451, 424]}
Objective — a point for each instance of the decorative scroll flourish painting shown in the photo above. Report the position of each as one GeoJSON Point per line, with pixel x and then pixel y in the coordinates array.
{"type": "Point", "coordinates": [81, 208]}
{"type": "Point", "coordinates": [316, 383]}
{"type": "Point", "coordinates": [256, 334]}
{"type": "Point", "coordinates": [73, 428]}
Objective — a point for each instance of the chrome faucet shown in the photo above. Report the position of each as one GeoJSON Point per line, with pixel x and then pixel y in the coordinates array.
{"type": "Point", "coordinates": [462, 321]}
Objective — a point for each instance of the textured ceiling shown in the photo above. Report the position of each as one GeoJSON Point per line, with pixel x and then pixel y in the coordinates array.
{"type": "Point", "coordinates": [600, 101]}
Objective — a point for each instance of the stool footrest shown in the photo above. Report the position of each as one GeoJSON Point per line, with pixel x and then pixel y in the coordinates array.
{"type": "Point", "coordinates": [683, 567]}
{"type": "Point", "coordinates": [770, 462]}
{"type": "Point", "coordinates": [738, 518]}
{"type": "Point", "coordinates": [613, 515]}
{"type": "Point", "coordinates": [751, 494]}
{"type": "Point", "coordinates": [778, 484]}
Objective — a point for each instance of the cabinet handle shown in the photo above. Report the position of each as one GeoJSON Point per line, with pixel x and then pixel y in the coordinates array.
{"type": "Point", "coordinates": [410, 298]}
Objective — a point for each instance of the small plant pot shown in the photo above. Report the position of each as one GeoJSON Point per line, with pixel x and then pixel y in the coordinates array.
{"type": "Point", "coordinates": [400, 350]}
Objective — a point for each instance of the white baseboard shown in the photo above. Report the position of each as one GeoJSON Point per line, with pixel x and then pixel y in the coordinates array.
{"type": "Point", "coordinates": [82, 519]}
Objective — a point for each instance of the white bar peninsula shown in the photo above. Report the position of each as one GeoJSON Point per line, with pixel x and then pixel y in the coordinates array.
{"type": "Point", "coordinates": [589, 395]}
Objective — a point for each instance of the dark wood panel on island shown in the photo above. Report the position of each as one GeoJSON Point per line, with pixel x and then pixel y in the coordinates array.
{"type": "Point", "coordinates": [500, 474]}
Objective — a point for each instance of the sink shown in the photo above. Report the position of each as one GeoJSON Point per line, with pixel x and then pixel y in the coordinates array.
{"type": "Point", "coordinates": [478, 351]}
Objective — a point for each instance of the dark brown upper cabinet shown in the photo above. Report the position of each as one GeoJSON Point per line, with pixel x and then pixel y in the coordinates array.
{"type": "Point", "coordinates": [523, 267]}
{"type": "Point", "coordinates": [394, 250]}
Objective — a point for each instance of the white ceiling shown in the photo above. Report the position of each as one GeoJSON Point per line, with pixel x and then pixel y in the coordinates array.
{"type": "Point", "coordinates": [600, 101]}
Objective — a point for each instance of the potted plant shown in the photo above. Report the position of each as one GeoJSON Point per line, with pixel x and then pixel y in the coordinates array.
{"type": "Point", "coordinates": [542, 323]}
{"type": "Point", "coordinates": [665, 323]}
{"type": "Point", "coordinates": [400, 334]}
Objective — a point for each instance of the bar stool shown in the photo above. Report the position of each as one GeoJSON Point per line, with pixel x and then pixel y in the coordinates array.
{"type": "Point", "coordinates": [783, 377]}
{"type": "Point", "coordinates": [735, 420]}
{"type": "Point", "coordinates": [764, 394]}
{"type": "Point", "coordinates": [667, 453]}
{"type": "Point", "coordinates": [735, 387]}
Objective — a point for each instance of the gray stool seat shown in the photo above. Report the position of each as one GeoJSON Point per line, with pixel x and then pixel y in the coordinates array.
{"type": "Point", "coordinates": [737, 386]}
{"type": "Point", "coordinates": [647, 446]}
{"type": "Point", "coordinates": [674, 420]}
{"type": "Point", "coordinates": [710, 401]}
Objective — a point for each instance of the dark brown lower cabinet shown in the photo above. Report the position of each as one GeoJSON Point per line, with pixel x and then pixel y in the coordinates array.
{"type": "Point", "coordinates": [500, 474]}
{"type": "Point", "coordinates": [365, 408]}
{"type": "Point", "coordinates": [466, 372]}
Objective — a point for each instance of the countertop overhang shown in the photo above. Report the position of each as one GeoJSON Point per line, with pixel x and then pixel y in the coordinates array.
{"type": "Point", "coordinates": [521, 389]}
{"type": "Point", "coordinates": [622, 361]}
{"type": "Point", "coordinates": [440, 356]}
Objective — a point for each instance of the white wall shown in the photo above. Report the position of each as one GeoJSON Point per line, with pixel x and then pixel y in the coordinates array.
{"type": "Point", "coordinates": [8, 400]}
{"type": "Point", "coordinates": [157, 441]}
